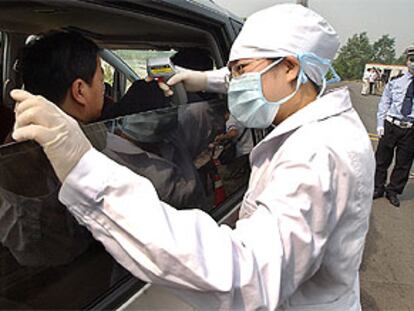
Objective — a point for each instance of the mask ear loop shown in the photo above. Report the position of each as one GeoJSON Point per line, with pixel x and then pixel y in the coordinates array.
{"type": "Point", "coordinates": [283, 100]}
{"type": "Point", "coordinates": [270, 66]}
{"type": "Point", "coordinates": [335, 79]}
{"type": "Point", "coordinates": [300, 80]}
{"type": "Point", "coordinates": [309, 57]}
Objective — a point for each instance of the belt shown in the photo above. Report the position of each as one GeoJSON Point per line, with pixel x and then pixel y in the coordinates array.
{"type": "Point", "coordinates": [399, 123]}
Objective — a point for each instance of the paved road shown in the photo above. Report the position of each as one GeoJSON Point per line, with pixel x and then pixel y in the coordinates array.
{"type": "Point", "coordinates": [387, 272]}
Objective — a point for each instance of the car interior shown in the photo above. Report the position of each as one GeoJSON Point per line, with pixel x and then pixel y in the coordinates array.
{"type": "Point", "coordinates": [47, 260]}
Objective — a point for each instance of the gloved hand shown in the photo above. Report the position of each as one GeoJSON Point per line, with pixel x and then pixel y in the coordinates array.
{"type": "Point", "coordinates": [194, 81]}
{"type": "Point", "coordinates": [59, 134]}
{"type": "Point", "coordinates": [380, 132]}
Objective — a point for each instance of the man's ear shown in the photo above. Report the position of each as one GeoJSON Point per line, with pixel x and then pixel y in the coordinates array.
{"type": "Point", "coordinates": [292, 68]}
{"type": "Point", "coordinates": [79, 91]}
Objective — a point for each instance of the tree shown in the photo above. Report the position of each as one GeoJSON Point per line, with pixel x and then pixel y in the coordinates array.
{"type": "Point", "coordinates": [353, 56]}
{"type": "Point", "coordinates": [384, 50]}
{"type": "Point", "coordinates": [401, 60]}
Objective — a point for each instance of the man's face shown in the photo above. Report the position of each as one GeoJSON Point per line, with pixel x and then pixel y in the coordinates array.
{"type": "Point", "coordinates": [95, 94]}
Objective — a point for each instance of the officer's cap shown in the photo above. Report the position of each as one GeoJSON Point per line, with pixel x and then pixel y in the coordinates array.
{"type": "Point", "coordinates": [410, 50]}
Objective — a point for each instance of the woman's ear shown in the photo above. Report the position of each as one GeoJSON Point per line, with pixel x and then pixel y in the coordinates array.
{"type": "Point", "coordinates": [78, 91]}
{"type": "Point", "coordinates": [292, 68]}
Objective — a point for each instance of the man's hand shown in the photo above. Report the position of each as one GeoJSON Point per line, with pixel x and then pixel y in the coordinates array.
{"type": "Point", "coordinates": [194, 81]}
{"type": "Point", "coordinates": [59, 134]}
{"type": "Point", "coordinates": [380, 132]}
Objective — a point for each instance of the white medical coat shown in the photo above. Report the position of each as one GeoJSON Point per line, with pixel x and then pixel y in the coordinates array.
{"type": "Point", "coordinates": [299, 241]}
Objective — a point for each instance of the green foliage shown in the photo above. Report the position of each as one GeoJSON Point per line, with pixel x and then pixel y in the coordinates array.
{"type": "Point", "coordinates": [108, 72]}
{"type": "Point", "coordinates": [358, 51]}
{"type": "Point", "coordinates": [142, 54]}
{"type": "Point", "coordinates": [353, 56]}
{"type": "Point", "coordinates": [384, 50]}
{"type": "Point", "coordinates": [401, 60]}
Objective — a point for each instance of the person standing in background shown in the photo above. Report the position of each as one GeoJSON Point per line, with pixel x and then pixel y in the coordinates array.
{"type": "Point", "coordinates": [395, 128]}
{"type": "Point", "coordinates": [372, 80]}
{"type": "Point", "coordinates": [365, 82]}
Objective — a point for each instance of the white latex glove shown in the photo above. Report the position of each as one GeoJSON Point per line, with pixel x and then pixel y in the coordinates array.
{"type": "Point", "coordinates": [194, 81]}
{"type": "Point", "coordinates": [380, 132]}
{"type": "Point", "coordinates": [59, 134]}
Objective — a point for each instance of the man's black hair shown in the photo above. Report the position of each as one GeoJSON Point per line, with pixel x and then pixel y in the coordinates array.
{"type": "Point", "coordinates": [52, 62]}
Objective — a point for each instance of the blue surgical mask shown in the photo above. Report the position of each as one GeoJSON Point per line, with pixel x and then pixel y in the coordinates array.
{"type": "Point", "coordinates": [247, 102]}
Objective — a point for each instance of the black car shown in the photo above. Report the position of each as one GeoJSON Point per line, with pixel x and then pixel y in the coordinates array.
{"type": "Point", "coordinates": [47, 260]}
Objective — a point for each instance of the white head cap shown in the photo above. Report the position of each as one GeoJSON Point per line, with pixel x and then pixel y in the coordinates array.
{"type": "Point", "coordinates": [283, 30]}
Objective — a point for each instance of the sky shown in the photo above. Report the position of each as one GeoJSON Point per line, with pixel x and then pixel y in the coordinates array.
{"type": "Point", "coordinates": [348, 17]}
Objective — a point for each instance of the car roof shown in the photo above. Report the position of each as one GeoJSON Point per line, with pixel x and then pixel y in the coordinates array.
{"type": "Point", "coordinates": [207, 5]}
{"type": "Point", "coordinates": [131, 20]}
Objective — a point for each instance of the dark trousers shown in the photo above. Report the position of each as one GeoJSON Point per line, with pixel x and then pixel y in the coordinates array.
{"type": "Point", "coordinates": [401, 141]}
{"type": "Point", "coordinates": [371, 88]}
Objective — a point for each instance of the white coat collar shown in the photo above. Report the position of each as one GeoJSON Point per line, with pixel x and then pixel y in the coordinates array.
{"type": "Point", "coordinates": [333, 103]}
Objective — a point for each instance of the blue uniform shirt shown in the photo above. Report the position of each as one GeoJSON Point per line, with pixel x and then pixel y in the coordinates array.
{"type": "Point", "coordinates": [392, 99]}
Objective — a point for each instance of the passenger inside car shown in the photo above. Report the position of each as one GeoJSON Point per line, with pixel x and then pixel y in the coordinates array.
{"type": "Point", "coordinates": [65, 68]}
{"type": "Point", "coordinates": [71, 76]}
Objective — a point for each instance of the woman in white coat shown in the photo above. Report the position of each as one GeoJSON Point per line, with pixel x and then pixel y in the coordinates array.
{"type": "Point", "coordinates": [299, 241]}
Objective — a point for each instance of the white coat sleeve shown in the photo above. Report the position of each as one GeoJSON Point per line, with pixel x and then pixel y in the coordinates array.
{"type": "Point", "coordinates": [216, 80]}
{"type": "Point", "coordinates": [238, 269]}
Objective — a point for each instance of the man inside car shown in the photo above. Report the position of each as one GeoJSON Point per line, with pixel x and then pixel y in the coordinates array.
{"type": "Point", "coordinates": [65, 67]}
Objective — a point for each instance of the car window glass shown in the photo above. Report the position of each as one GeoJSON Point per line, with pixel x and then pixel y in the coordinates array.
{"type": "Point", "coordinates": [182, 145]}
{"type": "Point", "coordinates": [44, 251]}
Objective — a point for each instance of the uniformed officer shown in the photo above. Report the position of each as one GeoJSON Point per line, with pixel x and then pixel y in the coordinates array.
{"type": "Point", "coordinates": [395, 128]}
